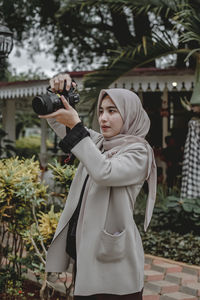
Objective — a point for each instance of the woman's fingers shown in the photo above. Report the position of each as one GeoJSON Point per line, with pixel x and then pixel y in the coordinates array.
{"type": "Point", "coordinates": [74, 84]}
{"type": "Point", "coordinates": [52, 115]}
{"type": "Point", "coordinates": [65, 103]}
{"type": "Point", "coordinates": [67, 116]}
{"type": "Point", "coordinates": [57, 83]}
{"type": "Point", "coordinates": [61, 82]}
{"type": "Point", "coordinates": [51, 83]}
{"type": "Point", "coordinates": [68, 81]}
{"type": "Point", "coordinates": [64, 79]}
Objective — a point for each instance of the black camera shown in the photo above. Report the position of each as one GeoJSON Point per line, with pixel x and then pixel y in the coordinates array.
{"type": "Point", "coordinates": [46, 104]}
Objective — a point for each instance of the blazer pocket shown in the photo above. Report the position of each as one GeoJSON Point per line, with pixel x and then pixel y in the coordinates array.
{"type": "Point", "coordinates": [111, 247]}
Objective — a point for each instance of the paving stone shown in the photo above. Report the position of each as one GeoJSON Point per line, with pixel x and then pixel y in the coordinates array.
{"type": "Point", "coordinates": [177, 296]}
{"type": "Point", "coordinates": [150, 295]}
{"type": "Point", "coordinates": [150, 275]}
{"type": "Point", "coordinates": [166, 267]}
{"type": "Point", "coordinates": [148, 260]}
{"type": "Point", "coordinates": [67, 279]}
{"type": "Point", "coordinates": [162, 287]}
{"type": "Point", "coordinates": [147, 266]}
{"type": "Point", "coordinates": [191, 288]}
{"type": "Point", "coordinates": [181, 281]}
{"type": "Point", "coordinates": [187, 269]}
{"type": "Point", "coordinates": [181, 278]}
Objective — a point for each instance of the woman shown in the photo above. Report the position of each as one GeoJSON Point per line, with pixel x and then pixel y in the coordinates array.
{"type": "Point", "coordinates": [113, 167]}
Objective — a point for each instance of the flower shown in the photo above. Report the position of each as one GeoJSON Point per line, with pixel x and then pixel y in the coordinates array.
{"type": "Point", "coordinates": [20, 291]}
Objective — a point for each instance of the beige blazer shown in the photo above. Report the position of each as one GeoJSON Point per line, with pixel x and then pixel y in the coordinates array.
{"type": "Point", "coordinates": [110, 257]}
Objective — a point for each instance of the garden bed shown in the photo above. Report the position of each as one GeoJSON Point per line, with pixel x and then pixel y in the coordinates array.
{"type": "Point", "coordinates": [172, 245]}
{"type": "Point", "coordinates": [30, 290]}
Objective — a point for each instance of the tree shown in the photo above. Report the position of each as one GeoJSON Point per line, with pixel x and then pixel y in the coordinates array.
{"type": "Point", "coordinates": [81, 32]}
{"type": "Point", "coordinates": [186, 20]}
{"type": "Point", "coordinates": [186, 17]}
{"type": "Point", "coordinates": [36, 74]}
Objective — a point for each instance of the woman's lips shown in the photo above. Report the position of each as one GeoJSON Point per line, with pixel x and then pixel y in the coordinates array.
{"type": "Point", "coordinates": [105, 127]}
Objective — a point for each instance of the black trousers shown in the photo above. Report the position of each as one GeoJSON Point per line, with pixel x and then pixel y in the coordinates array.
{"type": "Point", "coordinates": [135, 296]}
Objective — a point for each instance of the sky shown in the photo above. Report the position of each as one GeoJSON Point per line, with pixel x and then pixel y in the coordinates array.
{"type": "Point", "coordinates": [23, 63]}
{"type": "Point", "coordinates": [47, 65]}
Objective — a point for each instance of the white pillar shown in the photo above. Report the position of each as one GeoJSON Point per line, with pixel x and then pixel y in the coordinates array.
{"type": "Point", "coordinates": [43, 147]}
{"type": "Point", "coordinates": [165, 116]}
{"type": "Point", "coordinates": [8, 115]}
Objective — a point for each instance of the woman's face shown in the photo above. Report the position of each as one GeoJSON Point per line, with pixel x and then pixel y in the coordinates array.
{"type": "Point", "coordinates": [110, 120]}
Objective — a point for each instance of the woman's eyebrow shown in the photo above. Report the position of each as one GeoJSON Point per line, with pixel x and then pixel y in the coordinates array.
{"type": "Point", "coordinates": [108, 107]}
{"type": "Point", "coordinates": [112, 106]}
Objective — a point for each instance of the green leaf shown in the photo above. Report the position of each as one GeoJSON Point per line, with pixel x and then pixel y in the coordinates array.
{"type": "Point", "coordinates": [188, 207]}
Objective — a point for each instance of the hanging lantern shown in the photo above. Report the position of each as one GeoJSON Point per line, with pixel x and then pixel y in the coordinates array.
{"type": "Point", "coordinates": [6, 41]}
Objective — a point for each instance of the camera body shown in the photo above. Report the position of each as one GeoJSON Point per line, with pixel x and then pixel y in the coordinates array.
{"type": "Point", "coordinates": [46, 104]}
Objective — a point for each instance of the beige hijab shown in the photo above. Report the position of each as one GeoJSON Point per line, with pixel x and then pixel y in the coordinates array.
{"type": "Point", "coordinates": [135, 128]}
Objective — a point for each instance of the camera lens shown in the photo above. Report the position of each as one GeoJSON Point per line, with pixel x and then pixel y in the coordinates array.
{"type": "Point", "coordinates": [42, 105]}
{"type": "Point", "coordinates": [39, 106]}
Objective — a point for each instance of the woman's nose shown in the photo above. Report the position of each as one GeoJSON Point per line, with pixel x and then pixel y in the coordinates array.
{"type": "Point", "coordinates": [104, 116]}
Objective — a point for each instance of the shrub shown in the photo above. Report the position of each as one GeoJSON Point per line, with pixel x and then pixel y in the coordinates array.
{"type": "Point", "coordinates": [169, 244]}
{"type": "Point", "coordinates": [24, 220]}
{"type": "Point", "coordinates": [43, 229]}
{"type": "Point", "coordinates": [19, 189]}
{"type": "Point", "coordinates": [174, 229]}
{"type": "Point", "coordinates": [29, 146]}
{"type": "Point", "coordinates": [170, 212]}
{"type": "Point", "coordinates": [40, 233]}
{"type": "Point", "coordinates": [10, 282]}
{"type": "Point", "coordinates": [63, 176]}
{"type": "Point", "coordinates": [7, 148]}
{"type": "Point", "coordinates": [21, 194]}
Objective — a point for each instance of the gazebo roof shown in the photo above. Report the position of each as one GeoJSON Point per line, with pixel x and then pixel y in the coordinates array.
{"type": "Point", "coordinates": [138, 79]}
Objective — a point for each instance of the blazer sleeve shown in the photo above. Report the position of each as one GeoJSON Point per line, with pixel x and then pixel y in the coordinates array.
{"type": "Point", "coordinates": [59, 128]}
{"type": "Point", "coordinates": [127, 168]}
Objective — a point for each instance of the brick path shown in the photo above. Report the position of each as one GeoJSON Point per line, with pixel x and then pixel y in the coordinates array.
{"type": "Point", "coordinates": [169, 280]}
{"type": "Point", "coordinates": [165, 280]}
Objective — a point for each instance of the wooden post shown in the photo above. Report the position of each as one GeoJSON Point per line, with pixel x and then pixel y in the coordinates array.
{"type": "Point", "coordinates": [43, 147]}
{"type": "Point", "coordinates": [8, 115]}
{"type": "Point", "coordinates": [165, 116]}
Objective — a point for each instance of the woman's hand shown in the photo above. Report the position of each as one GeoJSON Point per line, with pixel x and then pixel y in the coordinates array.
{"type": "Point", "coordinates": [57, 82]}
{"type": "Point", "coordinates": [67, 116]}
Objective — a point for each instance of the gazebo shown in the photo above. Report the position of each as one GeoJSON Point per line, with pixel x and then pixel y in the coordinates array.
{"type": "Point", "coordinates": [160, 91]}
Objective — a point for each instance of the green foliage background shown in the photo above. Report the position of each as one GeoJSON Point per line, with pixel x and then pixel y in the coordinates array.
{"type": "Point", "coordinates": [29, 146]}
{"type": "Point", "coordinates": [174, 229]}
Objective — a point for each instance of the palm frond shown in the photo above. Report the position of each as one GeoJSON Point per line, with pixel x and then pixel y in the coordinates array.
{"type": "Point", "coordinates": [186, 20]}
{"type": "Point", "coordinates": [141, 6]}
{"type": "Point", "coordinates": [126, 60]}
{"type": "Point", "coordinates": [186, 104]}
{"type": "Point", "coordinates": [188, 23]}
{"type": "Point", "coordinates": [192, 52]}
